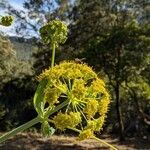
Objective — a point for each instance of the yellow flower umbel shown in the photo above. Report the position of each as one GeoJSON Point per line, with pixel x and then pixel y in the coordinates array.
{"type": "Point", "coordinates": [54, 32]}
{"type": "Point", "coordinates": [6, 20]}
{"type": "Point", "coordinates": [85, 93]}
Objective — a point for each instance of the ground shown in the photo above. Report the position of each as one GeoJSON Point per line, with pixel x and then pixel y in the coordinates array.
{"type": "Point", "coordinates": [30, 141]}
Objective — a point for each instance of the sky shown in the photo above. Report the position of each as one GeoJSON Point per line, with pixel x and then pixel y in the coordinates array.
{"type": "Point", "coordinates": [18, 5]}
{"type": "Point", "coordinates": [11, 29]}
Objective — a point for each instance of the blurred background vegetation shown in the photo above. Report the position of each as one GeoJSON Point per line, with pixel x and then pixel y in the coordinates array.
{"type": "Point", "coordinates": [112, 36]}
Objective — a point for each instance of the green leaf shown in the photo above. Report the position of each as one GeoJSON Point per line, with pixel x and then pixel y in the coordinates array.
{"type": "Point", "coordinates": [46, 129]}
{"type": "Point", "coordinates": [38, 98]}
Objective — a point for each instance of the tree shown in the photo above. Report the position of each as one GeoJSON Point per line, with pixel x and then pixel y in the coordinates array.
{"type": "Point", "coordinates": [6, 53]}
{"type": "Point", "coordinates": [109, 33]}
{"type": "Point", "coordinates": [16, 86]}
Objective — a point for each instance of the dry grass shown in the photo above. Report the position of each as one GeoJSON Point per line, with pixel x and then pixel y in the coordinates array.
{"type": "Point", "coordinates": [29, 141]}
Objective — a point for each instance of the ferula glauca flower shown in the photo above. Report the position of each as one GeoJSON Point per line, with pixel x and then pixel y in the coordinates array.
{"type": "Point", "coordinates": [69, 95]}
{"type": "Point", "coordinates": [6, 20]}
{"type": "Point", "coordinates": [85, 93]}
{"type": "Point", "coordinates": [54, 32]}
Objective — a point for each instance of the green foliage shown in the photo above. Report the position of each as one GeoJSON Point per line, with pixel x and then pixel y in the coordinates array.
{"type": "Point", "coordinates": [38, 98]}
{"type": "Point", "coordinates": [16, 100]}
{"type": "Point", "coordinates": [46, 129]}
{"type": "Point", "coordinates": [141, 87]}
{"type": "Point", "coordinates": [6, 52]}
{"type": "Point", "coordinates": [15, 90]}
{"type": "Point", "coordinates": [114, 41]}
{"type": "Point", "coordinates": [10, 66]}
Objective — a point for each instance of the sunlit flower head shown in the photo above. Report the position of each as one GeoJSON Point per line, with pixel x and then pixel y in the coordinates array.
{"type": "Point", "coordinates": [86, 94]}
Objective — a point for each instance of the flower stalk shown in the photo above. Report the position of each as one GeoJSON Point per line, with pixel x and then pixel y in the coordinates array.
{"type": "Point", "coordinates": [105, 143]}
{"type": "Point", "coordinates": [53, 55]}
{"type": "Point", "coordinates": [30, 123]}
{"type": "Point", "coordinates": [19, 129]}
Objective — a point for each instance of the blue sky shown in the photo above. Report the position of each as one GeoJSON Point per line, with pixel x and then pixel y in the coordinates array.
{"type": "Point", "coordinates": [16, 4]}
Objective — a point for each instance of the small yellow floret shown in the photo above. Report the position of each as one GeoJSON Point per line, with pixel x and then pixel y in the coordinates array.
{"type": "Point", "coordinates": [85, 134]}
{"type": "Point", "coordinates": [91, 108]}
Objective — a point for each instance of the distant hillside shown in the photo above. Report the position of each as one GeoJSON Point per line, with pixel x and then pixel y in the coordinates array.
{"type": "Point", "coordinates": [24, 47]}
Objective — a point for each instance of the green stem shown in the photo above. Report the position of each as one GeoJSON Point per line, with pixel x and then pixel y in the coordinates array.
{"type": "Point", "coordinates": [102, 141]}
{"type": "Point", "coordinates": [30, 123]}
{"type": "Point", "coordinates": [53, 55]}
{"type": "Point", "coordinates": [19, 129]}
{"type": "Point", "coordinates": [48, 113]}
{"type": "Point", "coordinates": [74, 129]}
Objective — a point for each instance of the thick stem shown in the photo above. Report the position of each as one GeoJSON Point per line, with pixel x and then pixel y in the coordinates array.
{"type": "Point", "coordinates": [53, 55]}
{"type": "Point", "coordinates": [19, 129]}
{"type": "Point", "coordinates": [30, 123]}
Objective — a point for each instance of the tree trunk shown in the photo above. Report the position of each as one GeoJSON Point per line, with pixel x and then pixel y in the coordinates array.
{"type": "Point", "coordinates": [117, 93]}
{"type": "Point", "coordinates": [119, 114]}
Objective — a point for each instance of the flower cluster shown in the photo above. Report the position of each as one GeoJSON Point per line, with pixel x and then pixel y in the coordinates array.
{"type": "Point", "coordinates": [54, 32]}
{"type": "Point", "coordinates": [6, 20]}
{"type": "Point", "coordinates": [86, 94]}
{"type": "Point", "coordinates": [64, 120]}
